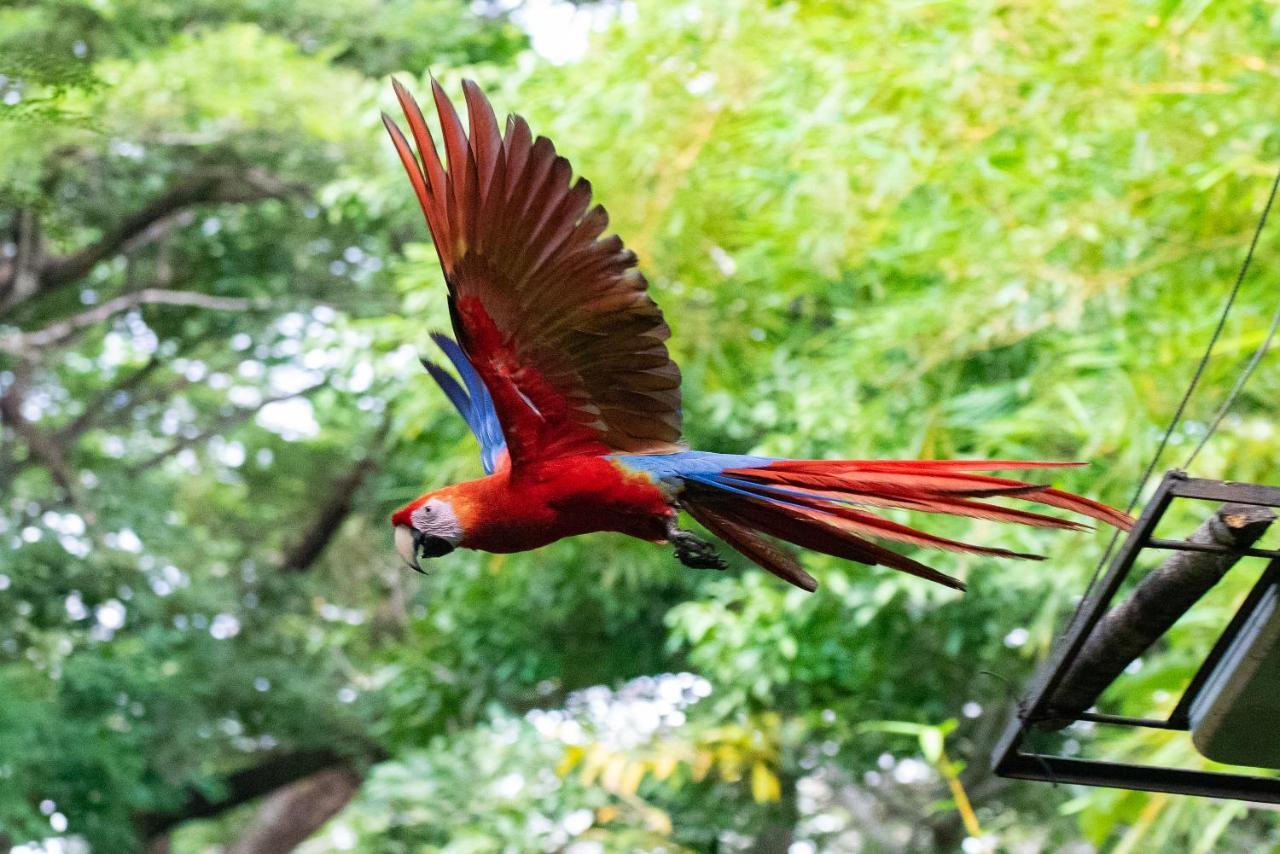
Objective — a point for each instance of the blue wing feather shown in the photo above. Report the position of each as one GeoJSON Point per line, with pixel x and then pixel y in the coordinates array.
{"type": "Point", "coordinates": [473, 403]}
{"type": "Point", "coordinates": [453, 391]}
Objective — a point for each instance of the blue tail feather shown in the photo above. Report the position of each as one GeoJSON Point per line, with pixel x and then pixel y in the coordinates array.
{"type": "Point", "coordinates": [687, 464]}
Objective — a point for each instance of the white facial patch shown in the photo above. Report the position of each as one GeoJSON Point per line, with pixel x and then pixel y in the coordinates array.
{"type": "Point", "coordinates": [436, 518]}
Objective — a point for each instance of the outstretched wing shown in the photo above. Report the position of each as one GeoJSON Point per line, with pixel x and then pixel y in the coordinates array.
{"type": "Point", "coordinates": [556, 319]}
{"type": "Point", "coordinates": [472, 402]}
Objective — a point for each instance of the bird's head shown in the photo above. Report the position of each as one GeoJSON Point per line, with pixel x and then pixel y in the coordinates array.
{"type": "Point", "coordinates": [427, 527]}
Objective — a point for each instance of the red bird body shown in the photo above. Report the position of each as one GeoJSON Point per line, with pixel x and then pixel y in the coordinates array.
{"type": "Point", "coordinates": [551, 500]}
{"type": "Point", "coordinates": [567, 383]}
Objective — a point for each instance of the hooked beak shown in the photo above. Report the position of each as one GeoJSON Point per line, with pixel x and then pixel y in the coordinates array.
{"type": "Point", "coordinates": [410, 543]}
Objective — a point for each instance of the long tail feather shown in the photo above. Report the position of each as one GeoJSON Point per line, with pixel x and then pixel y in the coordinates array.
{"type": "Point", "coordinates": [824, 506]}
{"type": "Point", "coordinates": [809, 530]}
{"type": "Point", "coordinates": [764, 553]}
{"type": "Point", "coordinates": [934, 480]}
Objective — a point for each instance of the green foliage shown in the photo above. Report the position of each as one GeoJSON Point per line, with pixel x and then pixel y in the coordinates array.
{"type": "Point", "coordinates": [495, 788]}
{"type": "Point", "coordinates": [890, 229]}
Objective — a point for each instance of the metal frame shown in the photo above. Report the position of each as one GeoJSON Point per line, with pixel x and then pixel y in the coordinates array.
{"type": "Point", "coordinates": [1010, 760]}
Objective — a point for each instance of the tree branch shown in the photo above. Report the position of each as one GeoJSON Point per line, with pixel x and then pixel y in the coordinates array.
{"type": "Point", "coordinates": [19, 278]}
{"type": "Point", "coordinates": [225, 422]}
{"type": "Point", "coordinates": [110, 402]}
{"type": "Point", "coordinates": [207, 185]}
{"type": "Point", "coordinates": [20, 343]}
{"type": "Point", "coordinates": [241, 787]}
{"type": "Point", "coordinates": [298, 810]}
{"type": "Point", "coordinates": [211, 185]}
{"type": "Point", "coordinates": [104, 398]}
{"type": "Point", "coordinates": [307, 550]}
{"type": "Point", "coordinates": [40, 445]}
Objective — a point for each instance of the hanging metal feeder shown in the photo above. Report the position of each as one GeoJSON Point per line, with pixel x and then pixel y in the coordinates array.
{"type": "Point", "coordinates": [1231, 706]}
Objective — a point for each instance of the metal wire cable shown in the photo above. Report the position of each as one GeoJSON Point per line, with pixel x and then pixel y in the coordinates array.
{"type": "Point", "coordinates": [1191, 387]}
{"type": "Point", "coordinates": [1241, 381]}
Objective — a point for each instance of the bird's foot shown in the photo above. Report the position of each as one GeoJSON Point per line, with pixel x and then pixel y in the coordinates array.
{"type": "Point", "coordinates": [692, 550]}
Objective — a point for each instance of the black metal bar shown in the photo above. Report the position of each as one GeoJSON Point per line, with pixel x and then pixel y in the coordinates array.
{"type": "Point", "coordinates": [1051, 672]}
{"type": "Point", "coordinates": [1178, 781]}
{"type": "Point", "coordinates": [1181, 714]}
{"type": "Point", "coordinates": [1008, 748]}
{"type": "Point", "coordinates": [1226, 491]}
{"type": "Point", "coordinates": [1121, 720]}
{"type": "Point", "coordinates": [1093, 609]}
{"type": "Point", "coordinates": [1184, 546]}
{"type": "Point", "coordinates": [1011, 761]}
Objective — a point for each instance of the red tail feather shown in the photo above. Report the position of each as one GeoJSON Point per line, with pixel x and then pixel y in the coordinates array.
{"type": "Point", "coordinates": [769, 555]}
{"type": "Point", "coordinates": [821, 505]}
{"type": "Point", "coordinates": [808, 529]}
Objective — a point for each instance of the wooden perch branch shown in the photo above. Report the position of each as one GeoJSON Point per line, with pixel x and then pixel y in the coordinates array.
{"type": "Point", "coordinates": [1130, 628]}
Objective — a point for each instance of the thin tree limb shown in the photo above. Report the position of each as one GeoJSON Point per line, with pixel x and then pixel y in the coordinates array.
{"type": "Point", "coordinates": [40, 444]}
{"type": "Point", "coordinates": [207, 185]}
{"type": "Point", "coordinates": [317, 536]}
{"type": "Point", "coordinates": [226, 422]}
{"type": "Point", "coordinates": [24, 343]}
{"type": "Point", "coordinates": [23, 279]}
{"type": "Point", "coordinates": [307, 549]}
{"type": "Point", "coordinates": [210, 185]}
{"type": "Point", "coordinates": [94, 409]}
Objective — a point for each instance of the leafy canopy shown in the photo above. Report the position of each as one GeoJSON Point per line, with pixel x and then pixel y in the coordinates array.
{"type": "Point", "coordinates": [899, 229]}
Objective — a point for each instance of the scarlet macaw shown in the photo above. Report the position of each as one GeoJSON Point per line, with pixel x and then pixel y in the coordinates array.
{"type": "Point", "coordinates": [566, 382]}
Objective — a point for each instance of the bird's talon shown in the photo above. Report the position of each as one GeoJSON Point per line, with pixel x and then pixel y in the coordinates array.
{"type": "Point", "coordinates": [695, 552]}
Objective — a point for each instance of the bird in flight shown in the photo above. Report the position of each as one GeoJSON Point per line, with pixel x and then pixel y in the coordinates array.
{"type": "Point", "coordinates": [563, 376]}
